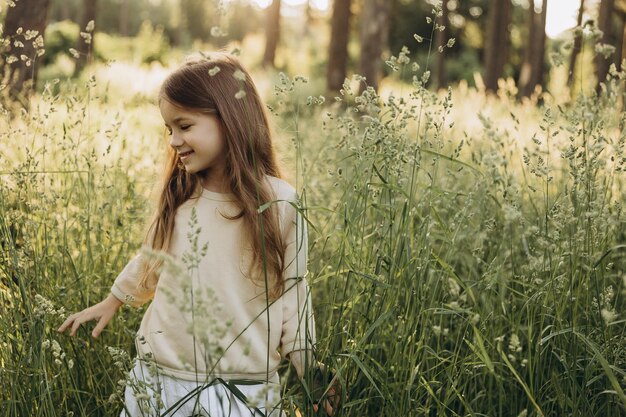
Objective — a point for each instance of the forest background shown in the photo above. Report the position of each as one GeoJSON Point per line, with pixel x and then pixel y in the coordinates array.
{"type": "Point", "coordinates": [461, 170]}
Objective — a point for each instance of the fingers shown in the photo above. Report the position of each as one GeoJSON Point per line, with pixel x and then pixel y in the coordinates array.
{"type": "Point", "coordinates": [329, 403]}
{"type": "Point", "coordinates": [102, 323]}
{"type": "Point", "coordinates": [66, 323]}
{"type": "Point", "coordinates": [75, 320]}
{"type": "Point", "coordinates": [328, 407]}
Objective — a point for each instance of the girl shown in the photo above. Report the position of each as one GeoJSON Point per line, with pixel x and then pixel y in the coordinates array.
{"type": "Point", "coordinates": [239, 301]}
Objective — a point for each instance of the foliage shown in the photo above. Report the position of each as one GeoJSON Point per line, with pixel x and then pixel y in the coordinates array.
{"type": "Point", "coordinates": [60, 37]}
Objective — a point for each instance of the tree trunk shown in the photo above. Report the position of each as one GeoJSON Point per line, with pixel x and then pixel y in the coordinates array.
{"type": "Point", "coordinates": [576, 48]}
{"type": "Point", "coordinates": [272, 33]}
{"type": "Point", "coordinates": [497, 42]}
{"type": "Point", "coordinates": [604, 24]}
{"type": "Point", "coordinates": [531, 74]}
{"type": "Point", "coordinates": [21, 76]}
{"type": "Point", "coordinates": [373, 36]}
{"type": "Point", "coordinates": [623, 54]}
{"type": "Point", "coordinates": [441, 38]}
{"type": "Point", "coordinates": [338, 48]}
{"type": "Point", "coordinates": [123, 22]}
{"type": "Point", "coordinates": [85, 44]}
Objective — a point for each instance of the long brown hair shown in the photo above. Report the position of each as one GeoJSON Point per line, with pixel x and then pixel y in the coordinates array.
{"type": "Point", "coordinates": [220, 85]}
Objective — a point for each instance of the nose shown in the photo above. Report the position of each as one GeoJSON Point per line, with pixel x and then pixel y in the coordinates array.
{"type": "Point", "coordinates": [175, 140]}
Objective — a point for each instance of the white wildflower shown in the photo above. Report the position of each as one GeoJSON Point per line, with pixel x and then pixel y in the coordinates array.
{"type": "Point", "coordinates": [90, 26]}
{"type": "Point", "coordinates": [74, 53]}
{"type": "Point", "coordinates": [217, 32]}
{"type": "Point", "coordinates": [214, 71]}
{"type": "Point", "coordinates": [454, 287]}
{"type": "Point", "coordinates": [239, 75]}
{"type": "Point", "coordinates": [86, 36]}
{"type": "Point", "coordinates": [604, 49]}
{"type": "Point", "coordinates": [30, 34]}
{"type": "Point", "coordinates": [608, 316]}
{"type": "Point", "coordinates": [514, 343]}
{"type": "Point", "coordinates": [240, 94]}
{"type": "Point", "coordinates": [38, 42]}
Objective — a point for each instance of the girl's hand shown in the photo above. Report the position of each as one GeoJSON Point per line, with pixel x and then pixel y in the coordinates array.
{"type": "Point", "coordinates": [102, 312]}
{"type": "Point", "coordinates": [330, 403]}
{"type": "Point", "coordinates": [331, 388]}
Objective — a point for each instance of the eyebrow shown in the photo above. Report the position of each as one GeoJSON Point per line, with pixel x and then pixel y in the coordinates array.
{"type": "Point", "coordinates": [178, 119]}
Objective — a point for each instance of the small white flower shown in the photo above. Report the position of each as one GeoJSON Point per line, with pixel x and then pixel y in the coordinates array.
{"type": "Point", "coordinates": [514, 343]}
{"type": "Point", "coordinates": [217, 32]}
{"type": "Point", "coordinates": [86, 36]}
{"type": "Point", "coordinates": [608, 315]}
{"type": "Point", "coordinates": [239, 75]}
{"type": "Point", "coordinates": [240, 94]}
{"type": "Point", "coordinates": [30, 34]}
{"type": "Point", "coordinates": [74, 53]}
{"type": "Point", "coordinates": [90, 26]}
{"type": "Point", "coordinates": [214, 71]}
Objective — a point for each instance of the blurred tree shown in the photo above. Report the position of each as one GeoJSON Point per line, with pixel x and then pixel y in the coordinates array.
{"type": "Point", "coordinates": [578, 38]}
{"type": "Point", "coordinates": [497, 42]}
{"type": "Point", "coordinates": [24, 28]}
{"type": "Point", "coordinates": [64, 10]}
{"type": "Point", "coordinates": [441, 39]}
{"type": "Point", "coordinates": [338, 48]}
{"type": "Point", "coordinates": [124, 24]}
{"type": "Point", "coordinates": [243, 18]}
{"type": "Point", "coordinates": [604, 24]}
{"type": "Point", "coordinates": [198, 15]}
{"type": "Point", "coordinates": [85, 44]}
{"type": "Point", "coordinates": [531, 74]}
{"type": "Point", "coordinates": [620, 7]}
{"type": "Point", "coordinates": [374, 32]}
{"type": "Point", "coordinates": [272, 33]}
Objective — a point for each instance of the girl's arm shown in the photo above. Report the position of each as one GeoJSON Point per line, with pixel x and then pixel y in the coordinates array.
{"type": "Point", "coordinates": [124, 288]}
{"type": "Point", "coordinates": [102, 312]}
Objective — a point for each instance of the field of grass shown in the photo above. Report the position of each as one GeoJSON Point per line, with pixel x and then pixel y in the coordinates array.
{"type": "Point", "coordinates": [467, 252]}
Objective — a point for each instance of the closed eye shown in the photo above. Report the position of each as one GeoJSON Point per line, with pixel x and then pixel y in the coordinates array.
{"type": "Point", "coordinates": [184, 127]}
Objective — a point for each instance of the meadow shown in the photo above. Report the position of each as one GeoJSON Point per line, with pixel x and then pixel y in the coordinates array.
{"type": "Point", "coordinates": [466, 250]}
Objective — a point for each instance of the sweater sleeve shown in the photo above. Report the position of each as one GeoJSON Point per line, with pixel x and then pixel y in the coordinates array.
{"type": "Point", "coordinates": [126, 287]}
{"type": "Point", "coordinates": [298, 331]}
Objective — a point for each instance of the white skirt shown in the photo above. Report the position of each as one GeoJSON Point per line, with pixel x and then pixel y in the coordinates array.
{"type": "Point", "coordinates": [149, 395]}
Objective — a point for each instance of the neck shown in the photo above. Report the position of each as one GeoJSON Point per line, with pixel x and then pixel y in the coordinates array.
{"type": "Point", "coordinates": [216, 183]}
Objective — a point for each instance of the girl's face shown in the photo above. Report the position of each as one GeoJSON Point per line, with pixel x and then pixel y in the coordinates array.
{"type": "Point", "coordinates": [197, 139]}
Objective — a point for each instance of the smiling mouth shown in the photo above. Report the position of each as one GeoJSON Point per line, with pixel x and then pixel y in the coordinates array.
{"type": "Point", "coordinates": [184, 155]}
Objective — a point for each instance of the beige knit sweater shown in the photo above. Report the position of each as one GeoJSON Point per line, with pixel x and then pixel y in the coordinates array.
{"type": "Point", "coordinates": [207, 317]}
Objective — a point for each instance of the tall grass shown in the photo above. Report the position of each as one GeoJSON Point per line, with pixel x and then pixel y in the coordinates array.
{"type": "Point", "coordinates": [467, 274]}
{"type": "Point", "coordinates": [455, 272]}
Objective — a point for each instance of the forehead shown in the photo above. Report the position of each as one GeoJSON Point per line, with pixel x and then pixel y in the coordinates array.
{"type": "Point", "coordinates": [172, 112]}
